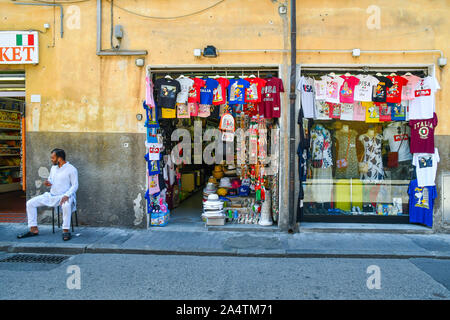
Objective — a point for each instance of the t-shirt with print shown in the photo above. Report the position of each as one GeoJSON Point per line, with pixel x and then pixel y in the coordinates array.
{"type": "Point", "coordinates": [421, 202]}
{"type": "Point", "coordinates": [347, 90]}
{"type": "Point", "coordinates": [398, 137]}
{"type": "Point", "coordinates": [398, 110]}
{"type": "Point", "coordinates": [426, 167]}
{"type": "Point", "coordinates": [359, 111]}
{"type": "Point", "coordinates": [347, 111]}
{"type": "Point", "coordinates": [220, 93]}
{"type": "Point", "coordinates": [207, 91]}
{"type": "Point", "coordinates": [185, 85]}
{"type": "Point", "coordinates": [306, 88]}
{"type": "Point", "coordinates": [322, 110]}
{"type": "Point", "coordinates": [422, 135]}
{"type": "Point", "coordinates": [380, 89]}
{"type": "Point", "coordinates": [167, 90]}
{"type": "Point", "coordinates": [372, 112]}
{"type": "Point", "coordinates": [364, 89]}
{"type": "Point", "coordinates": [335, 110]}
{"type": "Point", "coordinates": [194, 93]}
{"type": "Point", "coordinates": [333, 86]}
{"type": "Point", "coordinates": [270, 106]}
{"type": "Point", "coordinates": [253, 93]}
{"type": "Point", "coordinates": [320, 89]}
{"type": "Point", "coordinates": [236, 91]}
{"type": "Point", "coordinates": [422, 106]}
{"type": "Point", "coordinates": [385, 111]}
{"type": "Point", "coordinates": [394, 93]}
{"type": "Point", "coordinates": [408, 90]}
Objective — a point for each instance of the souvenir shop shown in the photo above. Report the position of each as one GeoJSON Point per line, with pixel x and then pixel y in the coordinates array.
{"type": "Point", "coordinates": [366, 151]}
{"type": "Point", "coordinates": [218, 172]}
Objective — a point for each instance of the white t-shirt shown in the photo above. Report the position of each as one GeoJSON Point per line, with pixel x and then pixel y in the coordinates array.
{"type": "Point", "coordinates": [185, 86]}
{"type": "Point", "coordinates": [426, 167]}
{"type": "Point", "coordinates": [408, 90]}
{"type": "Point", "coordinates": [322, 110]}
{"type": "Point", "coordinates": [363, 90]}
{"type": "Point", "coordinates": [346, 111]}
{"type": "Point", "coordinates": [395, 134]}
{"type": "Point", "coordinates": [320, 87]}
{"type": "Point", "coordinates": [306, 87]}
{"type": "Point", "coordinates": [333, 86]}
{"type": "Point", "coordinates": [422, 106]}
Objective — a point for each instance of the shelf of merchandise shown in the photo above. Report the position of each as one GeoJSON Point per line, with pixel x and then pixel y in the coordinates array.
{"type": "Point", "coordinates": [12, 111]}
{"type": "Point", "coordinates": [7, 187]}
{"type": "Point", "coordinates": [12, 129]}
{"type": "Point", "coordinates": [15, 138]}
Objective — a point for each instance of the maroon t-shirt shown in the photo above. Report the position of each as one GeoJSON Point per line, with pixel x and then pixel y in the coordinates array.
{"type": "Point", "coordinates": [422, 135]}
{"type": "Point", "coordinates": [270, 106]}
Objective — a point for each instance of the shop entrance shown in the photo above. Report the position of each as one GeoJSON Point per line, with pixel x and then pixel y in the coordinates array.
{"type": "Point", "coordinates": [225, 191]}
{"type": "Point", "coordinates": [12, 152]}
{"type": "Point", "coordinates": [345, 167]}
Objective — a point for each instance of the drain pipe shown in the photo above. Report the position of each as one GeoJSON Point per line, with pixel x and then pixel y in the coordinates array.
{"type": "Point", "coordinates": [111, 52]}
{"type": "Point", "coordinates": [292, 97]}
{"type": "Point", "coordinates": [47, 5]}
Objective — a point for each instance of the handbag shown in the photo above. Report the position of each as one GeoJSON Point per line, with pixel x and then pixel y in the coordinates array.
{"type": "Point", "coordinates": [392, 160]}
{"type": "Point", "coordinates": [362, 165]}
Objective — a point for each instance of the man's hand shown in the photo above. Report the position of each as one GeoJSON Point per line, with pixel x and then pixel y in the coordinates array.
{"type": "Point", "coordinates": [64, 199]}
{"type": "Point", "coordinates": [47, 183]}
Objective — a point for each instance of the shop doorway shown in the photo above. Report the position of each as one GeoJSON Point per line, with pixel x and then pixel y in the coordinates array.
{"type": "Point", "coordinates": [342, 188]}
{"type": "Point", "coordinates": [189, 185]}
{"type": "Point", "coordinates": [12, 147]}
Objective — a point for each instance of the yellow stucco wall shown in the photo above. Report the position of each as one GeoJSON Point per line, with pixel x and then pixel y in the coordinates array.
{"type": "Point", "coordinates": [82, 92]}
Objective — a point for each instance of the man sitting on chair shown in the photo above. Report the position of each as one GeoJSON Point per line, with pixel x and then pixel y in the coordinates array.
{"type": "Point", "coordinates": [63, 181]}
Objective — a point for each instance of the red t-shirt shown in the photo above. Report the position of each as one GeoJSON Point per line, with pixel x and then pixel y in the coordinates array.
{"type": "Point", "coordinates": [253, 94]}
{"type": "Point", "coordinates": [194, 93]}
{"type": "Point", "coordinates": [422, 135]}
{"type": "Point", "coordinates": [394, 93]}
{"type": "Point", "coordinates": [335, 110]}
{"type": "Point", "coordinates": [385, 111]}
{"type": "Point", "coordinates": [220, 93]}
{"type": "Point", "coordinates": [270, 106]}
{"type": "Point", "coordinates": [347, 90]}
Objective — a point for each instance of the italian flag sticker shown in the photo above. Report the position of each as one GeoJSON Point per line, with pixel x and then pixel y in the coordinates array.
{"type": "Point", "coordinates": [24, 40]}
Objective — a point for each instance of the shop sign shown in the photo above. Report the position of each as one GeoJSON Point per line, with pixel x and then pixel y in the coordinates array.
{"type": "Point", "coordinates": [19, 47]}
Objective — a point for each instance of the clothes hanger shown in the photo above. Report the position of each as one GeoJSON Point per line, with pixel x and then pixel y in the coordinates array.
{"type": "Point", "coordinates": [332, 74]}
{"type": "Point", "coordinates": [408, 74]}
{"type": "Point", "coordinates": [379, 74]}
{"type": "Point", "coordinates": [168, 77]}
{"type": "Point", "coordinates": [393, 74]}
{"type": "Point", "coordinates": [252, 76]}
{"type": "Point", "coordinates": [347, 74]}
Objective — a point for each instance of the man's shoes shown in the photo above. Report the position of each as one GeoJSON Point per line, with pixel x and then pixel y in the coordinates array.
{"type": "Point", "coordinates": [66, 236]}
{"type": "Point", "coordinates": [27, 235]}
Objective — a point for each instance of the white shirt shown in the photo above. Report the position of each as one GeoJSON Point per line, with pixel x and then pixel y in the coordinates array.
{"type": "Point", "coordinates": [306, 87]}
{"type": "Point", "coordinates": [423, 104]}
{"type": "Point", "coordinates": [185, 86]}
{"type": "Point", "coordinates": [333, 86]}
{"type": "Point", "coordinates": [64, 180]}
{"type": "Point", "coordinates": [363, 90]}
{"type": "Point", "coordinates": [398, 140]}
{"type": "Point", "coordinates": [426, 167]}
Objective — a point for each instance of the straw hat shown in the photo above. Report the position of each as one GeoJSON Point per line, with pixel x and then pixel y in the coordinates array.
{"type": "Point", "coordinates": [225, 183]}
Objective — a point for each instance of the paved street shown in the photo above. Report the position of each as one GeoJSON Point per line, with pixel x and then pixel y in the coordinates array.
{"type": "Point", "coordinates": [124, 276]}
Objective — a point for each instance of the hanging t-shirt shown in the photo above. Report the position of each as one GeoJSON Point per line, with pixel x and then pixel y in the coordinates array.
{"type": "Point", "coordinates": [322, 110]}
{"type": "Point", "coordinates": [364, 89]}
{"type": "Point", "coordinates": [333, 86]}
{"type": "Point", "coordinates": [394, 93]}
{"type": "Point", "coordinates": [385, 111]}
{"type": "Point", "coordinates": [380, 89]}
{"type": "Point", "coordinates": [186, 86]}
{"type": "Point", "coordinates": [422, 135]}
{"type": "Point", "coordinates": [220, 93]}
{"type": "Point", "coordinates": [167, 92]}
{"type": "Point", "coordinates": [335, 110]}
{"type": "Point", "coordinates": [421, 201]}
{"type": "Point", "coordinates": [306, 88]}
{"type": "Point", "coordinates": [422, 106]}
{"type": "Point", "coordinates": [236, 91]}
{"type": "Point", "coordinates": [253, 93]}
{"type": "Point", "coordinates": [398, 110]}
{"type": "Point", "coordinates": [347, 90]}
{"type": "Point", "coordinates": [408, 90]}
{"type": "Point", "coordinates": [194, 93]}
{"type": "Point", "coordinates": [270, 106]}
{"type": "Point", "coordinates": [207, 91]}
{"type": "Point", "coordinates": [398, 137]}
{"type": "Point", "coordinates": [426, 167]}
{"type": "Point", "coordinates": [372, 112]}
{"type": "Point", "coordinates": [359, 111]}
{"type": "Point", "coordinates": [320, 89]}
{"type": "Point", "coordinates": [347, 111]}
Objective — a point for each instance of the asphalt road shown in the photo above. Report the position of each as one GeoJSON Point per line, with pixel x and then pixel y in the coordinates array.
{"type": "Point", "coordinates": [120, 276]}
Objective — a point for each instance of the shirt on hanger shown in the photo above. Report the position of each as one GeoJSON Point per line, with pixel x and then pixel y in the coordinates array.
{"type": "Point", "coordinates": [335, 110]}
{"type": "Point", "coordinates": [422, 106]}
{"type": "Point", "coordinates": [270, 106]}
{"type": "Point", "coordinates": [236, 91]}
{"type": "Point", "coordinates": [380, 89]}
{"type": "Point", "coordinates": [194, 93]}
{"type": "Point", "coordinates": [364, 89]}
{"type": "Point", "coordinates": [398, 110]}
{"type": "Point", "coordinates": [359, 111]}
{"type": "Point", "coordinates": [421, 201]}
{"type": "Point", "coordinates": [426, 167]}
{"type": "Point", "coordinates": [320, 89]}
{"type": "Point", "coordinates": [167, 92]}
{"type": "Point", "coordinates": [372, 112]}
{"type": "Point", "coordinates": [347, 111]}
{"type": "Point", "coordinates": [408, 90]}
{"type": "Point", "coordinates": [253, 93]}
{"type": "Point", "coordinates": [306, 88]}
{"type": "Point", "coordinates": [220, 93]}
{"type": "Point", "coordinates": [394, 93]}
{"type": "Point", "coordinates": [347, 90]}
{"type": "Point", "coordinates": [207, 91]}
{"type": "Point", "coordinates": [185, 85]}
{"type": "Point", "coordinates": [322, 110]}
{"type": "Point", "coordinates": [385, 111]}
{"type": "Point", "coordinates": [398, 137]}
{"type": "Point", "coordinates": [422, 135]}
{"type": "Point", "coordinates": [333, 86]}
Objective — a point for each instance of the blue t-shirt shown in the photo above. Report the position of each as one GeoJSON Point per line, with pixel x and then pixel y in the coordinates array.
{"type": "Point", "coordinates": [398, 111]}
{"type": "Point", "coordinates": [421, 200]}
{"type": "Point", "coordinates": [236, 91]}
{"type": "Point", "coordinates": [207, 91]}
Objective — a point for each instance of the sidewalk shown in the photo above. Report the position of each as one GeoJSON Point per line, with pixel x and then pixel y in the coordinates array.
{"type": "Point", "coordinates": [200, 241]}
